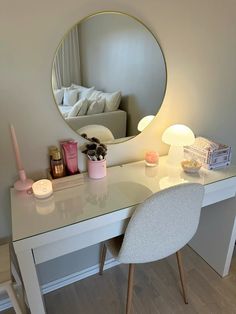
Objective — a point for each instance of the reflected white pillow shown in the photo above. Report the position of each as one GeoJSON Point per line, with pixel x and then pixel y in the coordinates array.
{"type": "Point", "coordinates": [70, 97]}
{"type": "Point", "coordinates": [96, 94]}
{"type": "Point", "coordinates": [58, 94]}
{"type": "Point", "coordinates": [84, 92]}
{"type": "Point", "coordinates": [79, 87]}
{"type": "Point", "coordinates": [79, 108]}
{"type": "Point", "coordinates": [96, 106]}
{"type": "Point", "coordinates": [112, 101]}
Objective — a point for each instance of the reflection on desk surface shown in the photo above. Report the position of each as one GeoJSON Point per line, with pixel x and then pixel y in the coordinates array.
{"type": "Point", "coordinates": [125, 186]}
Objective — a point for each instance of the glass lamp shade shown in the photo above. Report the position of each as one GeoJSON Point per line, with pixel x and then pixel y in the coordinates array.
{"type": "Point", "coordinates": [177, 136]}
{"type": "Point", "coordinates": [144, 122]}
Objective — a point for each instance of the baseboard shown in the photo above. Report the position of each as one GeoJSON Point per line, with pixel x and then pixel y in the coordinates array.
{"type": "Point", "coordinates": [5, 304]}
{"type": "Point", "coordinates": [64, 281]}
{"type": "Point", "coordinates": [67, 280]}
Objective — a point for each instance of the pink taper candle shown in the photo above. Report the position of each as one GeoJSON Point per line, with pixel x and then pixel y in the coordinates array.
{"type": "Point", "coordinates": [24, 183]}
{"type": "Point", "coordinates": [16, 149]}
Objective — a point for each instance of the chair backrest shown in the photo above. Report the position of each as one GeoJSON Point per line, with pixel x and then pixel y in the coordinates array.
{"type": "Point", "coordinates": [99, 131]}
{"type": "Point", "coordinates": [162, 224]}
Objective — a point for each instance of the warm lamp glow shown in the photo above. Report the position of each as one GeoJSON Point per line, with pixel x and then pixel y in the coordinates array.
{"type": "Point", "coordinates": [177, 136]}
{"type": "Point", "coordinates": [144, 122]}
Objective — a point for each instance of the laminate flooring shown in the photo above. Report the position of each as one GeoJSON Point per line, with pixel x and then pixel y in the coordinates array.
{"type": "Point", "coordinates": [156, 290]}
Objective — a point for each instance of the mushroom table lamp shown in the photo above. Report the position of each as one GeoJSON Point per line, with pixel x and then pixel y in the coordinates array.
{"type": "Point", "coordinates": [177, 136]}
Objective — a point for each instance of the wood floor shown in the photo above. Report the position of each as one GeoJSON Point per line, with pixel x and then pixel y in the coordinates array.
{"type": "Point", "coordinates": [156, 290]}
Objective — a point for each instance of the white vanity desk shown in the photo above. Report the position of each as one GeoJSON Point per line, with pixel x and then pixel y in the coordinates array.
{"type": "Point", "coordinates": [87, 214]}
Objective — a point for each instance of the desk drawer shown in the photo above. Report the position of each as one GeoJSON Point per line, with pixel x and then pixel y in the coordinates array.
{"type": "Point", "coordinates": [49, 251]}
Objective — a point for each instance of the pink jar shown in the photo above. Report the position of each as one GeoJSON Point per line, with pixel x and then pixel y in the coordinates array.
{"type": "Point", "coordinates": [97, 169]}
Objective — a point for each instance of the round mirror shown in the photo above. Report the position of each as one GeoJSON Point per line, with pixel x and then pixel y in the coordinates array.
{"type": "Point", "coordinates": [108, 73]}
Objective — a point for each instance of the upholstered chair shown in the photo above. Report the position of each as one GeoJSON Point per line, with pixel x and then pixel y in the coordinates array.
{"type": "Point", "coordinates": [160, 226]}
{"type": "Point", "coordinates": [99, 131]}
{"type": "Point", "coordinates": [7, 270]}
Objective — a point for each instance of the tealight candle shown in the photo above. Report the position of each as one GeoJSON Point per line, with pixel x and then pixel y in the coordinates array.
{"type": "Point", "coordinates": [42, 188]}
{"type": "Point", "coordinates": [151, 158]}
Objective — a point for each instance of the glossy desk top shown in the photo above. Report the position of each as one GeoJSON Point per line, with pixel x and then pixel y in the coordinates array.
{"type": "Point", "coordinates": [124, 186]}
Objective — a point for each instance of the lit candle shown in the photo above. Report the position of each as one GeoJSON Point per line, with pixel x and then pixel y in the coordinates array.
{"type": "Point", "coordinates": [42, 188]}
{"type": "Point", "coordinates": [16, 149]}
{"type": "Point", "coordinates": [151, 158]}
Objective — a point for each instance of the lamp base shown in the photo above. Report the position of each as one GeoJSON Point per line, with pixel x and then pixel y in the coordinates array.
{"type": "Point", "coordinates": [175, 155]}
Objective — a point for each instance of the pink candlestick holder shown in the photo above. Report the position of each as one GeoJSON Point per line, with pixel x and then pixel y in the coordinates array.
{"type": "Point", "coordinates": [24, 183]}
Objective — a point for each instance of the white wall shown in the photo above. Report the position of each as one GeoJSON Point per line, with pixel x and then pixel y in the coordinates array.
{"type": "Point", "coordinates": [199, 43]}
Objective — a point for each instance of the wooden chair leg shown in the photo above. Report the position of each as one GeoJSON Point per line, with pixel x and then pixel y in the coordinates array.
{"type": "Point", "coordinates": [182, 276]}
{"type": "Point", "coordinates": [102, 258]}
{"type": "Point", "coordinates": [13, 298]}
{"type": "Point", "coordinates": [130, 288]}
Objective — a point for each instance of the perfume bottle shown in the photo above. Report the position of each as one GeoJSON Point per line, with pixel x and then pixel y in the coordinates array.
{"type": "Point", "coordinates": [58, 168]}
{"type": "Point", "coordinates": [51, 149]}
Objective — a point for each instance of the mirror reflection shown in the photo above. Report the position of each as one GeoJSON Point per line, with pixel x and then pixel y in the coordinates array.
{"type": "Point", "coordinates": [108, 73]}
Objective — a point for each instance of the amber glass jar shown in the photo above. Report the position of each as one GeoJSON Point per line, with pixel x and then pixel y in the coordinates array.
{"type": "Point", "coordinates": [58, 168]}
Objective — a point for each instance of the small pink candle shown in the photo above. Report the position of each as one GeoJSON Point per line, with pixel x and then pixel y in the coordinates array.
{"type": "Point", "coordinates": [16, 149]}
{"type": "Point", "coordinates": [151, 158]}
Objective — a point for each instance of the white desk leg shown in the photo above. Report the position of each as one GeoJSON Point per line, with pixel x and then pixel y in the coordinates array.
{"type": "Point", "coordinates": [31, 283]}
{"type": "Point", "coordinates": [216, 234]}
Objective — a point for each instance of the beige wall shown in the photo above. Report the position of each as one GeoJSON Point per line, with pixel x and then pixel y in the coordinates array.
{"type": "Point", "coordinates": [199, 43]}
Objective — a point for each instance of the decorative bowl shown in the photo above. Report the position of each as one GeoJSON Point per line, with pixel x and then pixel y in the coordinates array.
{"type": "Point", "coordinates": [191, 166]}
